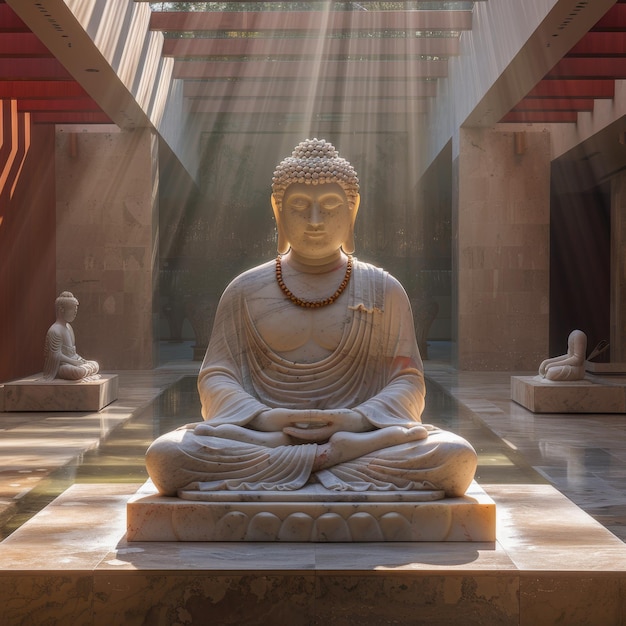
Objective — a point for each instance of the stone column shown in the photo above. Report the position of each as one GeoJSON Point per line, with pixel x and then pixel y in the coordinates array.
{"type": "Point", "coordinates": [107, 242]}
{"type": "Point", "coordinates": [618, 268]}
{"type": "Point", "coordinates": [501, 214]}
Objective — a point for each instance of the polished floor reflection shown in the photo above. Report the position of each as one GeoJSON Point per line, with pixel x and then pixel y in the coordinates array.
{"type": "Point", "coordinates": [581, 455]}
{"type": "Point", "coordinates": [584, 457]}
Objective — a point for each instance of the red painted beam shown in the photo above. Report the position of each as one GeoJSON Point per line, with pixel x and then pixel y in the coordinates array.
{"type": "Point", "coordinates": [202, 47]}
{"type": "Point", "coordinates": [613, 20]}
{"type": "Point", "coordinates": [9, 126]}
{"type": "Point", "coordinates": [604, 44]}
{"type": "Point", "coordinates": [9, 22]}
{"type": "Point", "coordinates": [327, 70]}
{"type": "Point", "coordinates": [555, 104]}
{"type": "Point", "coordinates": [63, 117]}
{"type": "Point", "coordinates": [589, 68]}
{"type": "Point", "coordinates": [311, 21]}
{"type": "Point", "coordinates": [600, 89]}
{"type": "Point", "coordinates": [541, 117]}
{"type": "Point", "coordinates": [73, 104]}
{"type": "Point", "coordinates": [32, 69]}
{"type": "Point", "coordinates": [22, 45]}
{"type": "Point", "coordinates": [40, 89]}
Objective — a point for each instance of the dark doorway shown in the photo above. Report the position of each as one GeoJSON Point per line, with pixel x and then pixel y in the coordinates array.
{"type": "Point", "coordinates": [580, 266]}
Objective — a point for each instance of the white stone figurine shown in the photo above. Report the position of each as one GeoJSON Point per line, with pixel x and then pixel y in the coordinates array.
{"type": "Point", "coordinates": [60, 357]}
{"type": "Point", "coordinates": [312, 373]}
{"type": "Point", "coordinates": [570, 366]}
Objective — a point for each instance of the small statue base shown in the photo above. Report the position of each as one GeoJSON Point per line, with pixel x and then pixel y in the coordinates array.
{"type": "Point", "coordinates": [312, 514]}
{"type": "Point", "coordinates": [579, 396]}
{"type": "Point", "coordinates": [37, 394]}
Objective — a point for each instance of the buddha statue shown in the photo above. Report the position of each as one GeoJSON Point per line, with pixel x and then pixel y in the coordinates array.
{"type": "Point", "coordinates": [60, 357]}
{"type": "Point", "coordinates": [570, 366]}
{"type": "Point", "coordinates": [312, 373]}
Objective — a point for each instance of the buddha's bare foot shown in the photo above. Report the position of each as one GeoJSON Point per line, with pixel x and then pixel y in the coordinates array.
{"type": "Point", "coordinates": [345, 446]}
{"type": "Point", "coordinates": [245, 435]}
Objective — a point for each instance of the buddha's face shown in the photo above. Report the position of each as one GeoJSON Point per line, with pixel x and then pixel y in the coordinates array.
{"type": "Point", "coordinates": [69, 311]}
{"type": "Point", "coordinates": [315, 219]}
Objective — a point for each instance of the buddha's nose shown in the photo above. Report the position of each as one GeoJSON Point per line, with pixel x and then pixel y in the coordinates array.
{"type": "Point", "coordinates": [316, 214]}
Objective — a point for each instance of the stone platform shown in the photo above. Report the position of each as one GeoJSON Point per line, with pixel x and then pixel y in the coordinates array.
{"type": "Point", "coordinates": [36, 394]}
{"type": "Point", "coordinates": [313, 514]}
{"type": "Point", "coordinates": [551, 563]}
{"type": "Point", "coordinates": [579, 396]}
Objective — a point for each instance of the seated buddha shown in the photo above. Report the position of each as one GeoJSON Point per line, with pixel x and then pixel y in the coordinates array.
{"type": "Point", "coordinates": [569, 366]}
{"type": "Point", "coordinates": [312, 373]}
{"type": "Point", "coordinates": [60, 357]}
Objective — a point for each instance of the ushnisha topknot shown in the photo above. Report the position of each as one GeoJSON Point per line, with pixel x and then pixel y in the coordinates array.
{"type": "Point", "coordinates": [66, 297]}
{"type": "Point", "coordinates": [315, 162]}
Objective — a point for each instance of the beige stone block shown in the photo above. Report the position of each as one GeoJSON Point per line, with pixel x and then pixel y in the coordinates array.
{"type": "Point", "coordinates": [135, 598]}
{"type": "Point", "coordinates": [433, 599]}
{"type": "Point", "coordinates": [46, 598]}
{"type": "Point", "coordinates": [36, 394]}
{"type": "Point", "coordinates": [547, 600]}
{"type": "Point", "coordinates": [580, 396]}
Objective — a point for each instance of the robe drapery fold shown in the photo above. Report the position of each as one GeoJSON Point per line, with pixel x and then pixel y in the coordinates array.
{"type": "Point", "coordinates": [376, 368]}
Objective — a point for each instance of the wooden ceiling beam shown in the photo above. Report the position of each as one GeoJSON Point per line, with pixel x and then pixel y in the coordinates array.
{"type": "Point", "coordinates": [22, 45]}
{"type": "Point", "coordinates": [65, 117]}
{"type": "Point", "coordinates": [311, 21]}
{"type": "Point", "coordinates": [56, 104]}
{"type": "Point", "coordinates": [40, 89]}
{"type": "Point", "coordinates": [597, 44]}
{"type": "Point", "coordinates": [386, 106]}
{"type": "Point", "coordinates": [32, 69]}
{"type": "Point", "coordinates": [201, 47]}
{"type": "Point", "coordinates": [541, 117]}
{"type": "Point", "coordinates": [289, 89]}
{"type": "Point", "coordinates": [555, 104]}
{"type": "Point", "coordinates": [599, 89]}
{"type": "Point", "coordinates": [325, 70]}
{"type": "Point", "coordinates": [589, 68]}
{"type": "Point", "coordinates": [10, 22]}
{"type": "Point", "coordinates": [613, 20]}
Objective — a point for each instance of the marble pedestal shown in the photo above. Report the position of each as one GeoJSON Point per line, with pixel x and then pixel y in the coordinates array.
{"type": "Point", "coordinates": [36, 394]}
{"type": "Point", "coordinates": [312, 514]}
{"type": "Point", "coordinates": [579, 396]}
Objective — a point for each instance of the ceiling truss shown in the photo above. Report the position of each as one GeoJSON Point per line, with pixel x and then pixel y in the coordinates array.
{"type": "Point", "coordinates": [257, 61]}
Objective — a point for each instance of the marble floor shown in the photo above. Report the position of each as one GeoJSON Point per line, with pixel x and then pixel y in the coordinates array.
{"type": "Point", "coordinates": [552, 563]}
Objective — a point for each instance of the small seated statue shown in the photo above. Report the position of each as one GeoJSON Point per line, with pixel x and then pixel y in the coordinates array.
{"type": "Point", "coordinates": [60, 357]}
{"type": "Point", "coordinates": [570, 366]}
{"type": "Point", "coordinates": [312, 373]}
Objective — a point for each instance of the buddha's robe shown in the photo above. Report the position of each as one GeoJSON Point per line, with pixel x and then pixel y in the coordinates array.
{"type": "Point", "coordinates": [59, 349]}
{"type": "Point", "coordinates": [375, 370]}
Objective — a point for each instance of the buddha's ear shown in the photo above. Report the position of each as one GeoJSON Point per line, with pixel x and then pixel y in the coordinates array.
{"type": "Point", "coordinates": [283, 244]}
{"type": "Point", "coordinates": [348, 245]}
{"type": "Point", "coordinates": [355, 207]}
